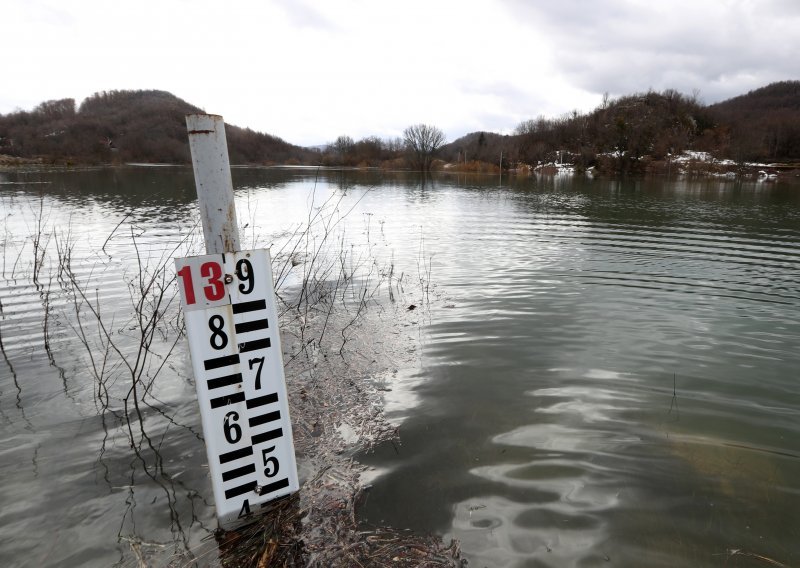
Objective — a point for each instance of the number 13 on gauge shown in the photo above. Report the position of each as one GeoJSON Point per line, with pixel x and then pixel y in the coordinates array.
{"type": "Point", "coordinates": [231, 322]}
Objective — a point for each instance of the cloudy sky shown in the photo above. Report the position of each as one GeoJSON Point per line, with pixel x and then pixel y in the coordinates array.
{"type": "Point", "coordinates": [309, 71]}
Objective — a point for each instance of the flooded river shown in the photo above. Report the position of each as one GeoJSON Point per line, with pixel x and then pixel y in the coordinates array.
{"type": "Point", "coordinates": [604, 372]}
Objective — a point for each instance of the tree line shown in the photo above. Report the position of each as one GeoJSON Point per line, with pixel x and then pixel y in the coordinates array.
{"type": "Point", "coordinates": [415, 150]}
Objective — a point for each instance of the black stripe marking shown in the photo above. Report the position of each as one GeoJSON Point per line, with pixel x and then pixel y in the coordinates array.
{"type": "Point", "coordinates": [264, 418]}
{"type": "Point", "coordinates": [224, 381]}
{"type": "Point", "coordinates": [241, 490]}
{"type": "Point", "coordinates": [235, 455]}
{"type": "Point", "coordinates": [266, 436]}
{"type": "Point", "coordinates": [255, 344]}
{"type": "Point", "coordinates": [244, 307]}
{"type": "Point", "coordinates": [262, 400]}
{"type": "Point", "coordinates": [227, 399]}
{"type": "Point", "coordinates": [224, 361]}
{"type": "Point", "coordinates": [254, 325]}
{"type": "Point", "coordinates": [274, 486]}
{"type": "Point", "coordinates": [238, 472]}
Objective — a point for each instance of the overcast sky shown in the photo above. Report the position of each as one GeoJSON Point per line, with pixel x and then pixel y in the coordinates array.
{"type": "Point", "coordinates": [309, 71]}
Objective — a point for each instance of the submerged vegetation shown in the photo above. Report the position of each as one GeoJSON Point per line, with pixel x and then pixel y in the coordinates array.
{"type": "Point", "coordinates": [638, 133]}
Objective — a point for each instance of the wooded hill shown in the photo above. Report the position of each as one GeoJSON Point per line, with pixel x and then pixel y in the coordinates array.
{"type": "Point", "coordinates": [127, 126]}
{"type": "Point", "coordinates": [634, 133]}
{"type": "Point", "coordinates": [641, 132]}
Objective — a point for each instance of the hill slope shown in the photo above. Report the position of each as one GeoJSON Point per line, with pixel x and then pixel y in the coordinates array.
{"type": "Point", "coordinates": [764, 124]}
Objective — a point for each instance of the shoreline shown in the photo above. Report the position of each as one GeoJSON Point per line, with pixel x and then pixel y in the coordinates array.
{"type": "Point", "coordinates": [691, 164]}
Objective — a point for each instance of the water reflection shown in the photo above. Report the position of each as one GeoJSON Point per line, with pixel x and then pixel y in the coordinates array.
{"type": "Point", "coordinates": [568, 488]}
{"type": "Point", "coordinates": [626, 315]}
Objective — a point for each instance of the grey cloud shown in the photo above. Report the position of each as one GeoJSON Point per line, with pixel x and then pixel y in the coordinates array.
{"type": "Point", "coordinates": [514, 104]}
{"type": "Point", "coordinates": [721, 48]}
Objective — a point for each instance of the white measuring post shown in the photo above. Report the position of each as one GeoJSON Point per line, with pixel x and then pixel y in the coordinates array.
{"type": "Point", "coordinates": [212, 176]}
{"type": "Point", "coordinates": [228, 299]}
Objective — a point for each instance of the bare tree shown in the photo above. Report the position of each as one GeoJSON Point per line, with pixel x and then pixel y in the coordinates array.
{"type": "Point", "coordinates": [422, 141]}
{"type": "Point", "coordinates": [342, 148]}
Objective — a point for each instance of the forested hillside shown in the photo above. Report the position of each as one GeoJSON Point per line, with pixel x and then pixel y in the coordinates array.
{"type": "Point", "coordinates": [126, 126]}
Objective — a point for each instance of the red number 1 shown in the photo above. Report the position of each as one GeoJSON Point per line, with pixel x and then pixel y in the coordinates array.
{"type": "Point", "coordinates": [186, 275]}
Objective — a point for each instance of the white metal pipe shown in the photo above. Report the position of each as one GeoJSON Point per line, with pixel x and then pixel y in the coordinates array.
{"type": "Point", "coordinates": [212, 176]}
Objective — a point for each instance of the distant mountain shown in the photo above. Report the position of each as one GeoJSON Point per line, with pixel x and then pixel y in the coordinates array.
{"type": "Point", "coordinates": [477, 146]}
{"type": "Point", "coordinates": [127, 126]}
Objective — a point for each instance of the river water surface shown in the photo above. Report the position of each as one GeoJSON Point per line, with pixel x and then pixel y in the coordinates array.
{"type": "Point", "coordinates": [606, 371]}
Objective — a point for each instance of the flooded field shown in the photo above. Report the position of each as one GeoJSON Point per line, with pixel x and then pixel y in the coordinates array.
{"type": "Point", "coordinates": [582, 372]}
